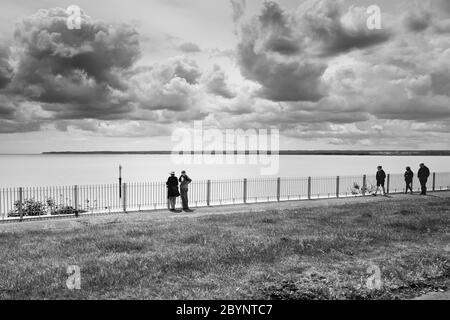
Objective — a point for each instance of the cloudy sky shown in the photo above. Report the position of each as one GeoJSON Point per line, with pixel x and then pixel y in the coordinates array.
{"type": "Point", "coordinates": [136, 70]}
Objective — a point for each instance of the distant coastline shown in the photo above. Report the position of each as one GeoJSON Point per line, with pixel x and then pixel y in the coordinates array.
{"type": "Point", "coordinates": [282, 152]}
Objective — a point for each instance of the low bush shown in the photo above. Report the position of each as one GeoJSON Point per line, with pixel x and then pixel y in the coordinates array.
{"type": "Point", "coordinates": [31, 207]}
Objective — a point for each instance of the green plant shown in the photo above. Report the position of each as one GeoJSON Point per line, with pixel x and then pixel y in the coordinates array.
{"type": "Point", "coordinates": [29, 207]}
{"type": "Point", "coordinates": [357, 189]}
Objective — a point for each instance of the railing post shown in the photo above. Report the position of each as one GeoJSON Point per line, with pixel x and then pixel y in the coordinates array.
{"type": "Point", "coordinates": [208, 193]}
{"type": "Point", "coordinates": [337, 187]}
{"type": "Point", "coordinates": [245, 190]}
{"type": "Point", "coordinates": [387, 183]}
{"type": "Point", "coordinates": [309, 188]}
{"type": "Point", "coordinates": [364, 186]}
{"type": "Point", "coordinates": [278, 188]}
{"type": "Point", "coordinates": [124, 197]}
{"type": "Point", "coordinates": [21, 203]}
{"type": "Point", "coordinates": [434, 181]}
{"type": "Point", "coordinates": [75, 199]}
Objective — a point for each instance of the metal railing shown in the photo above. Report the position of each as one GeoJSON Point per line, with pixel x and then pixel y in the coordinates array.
{"type": "Point", "coordinates": [67, 201]}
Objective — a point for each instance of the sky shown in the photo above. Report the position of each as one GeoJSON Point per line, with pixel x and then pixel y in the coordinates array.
{"type": "Point", "coordinates": [138, 70]}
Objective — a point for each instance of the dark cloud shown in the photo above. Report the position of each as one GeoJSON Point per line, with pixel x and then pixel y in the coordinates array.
{"type": "Point", "coordinates": [287, 52]}
{"type": "Point", "coordinates": [186, 69]}
{"type": "Point", "coordinates": [418, 20]}
{"type": "Point", "coordinates": [189, 47]}
{"type": "Point", "coordinates": [9, 126]}
{"type": "Point", "coordinates": [216, 84]}
{"type": "Point", "coordinates": [80, 68]}
{"type": "Point", "coordinates": [281, 79]}
{"type": "Point", "coordinates": [7, 109]}
{"type": "Point", "coordinates": [276, 28]}
{"type": "Point", "coordinates": [428, 14]}
{"type": "Point", "coordinates": [440, 82]}
{"type": "Point", "coordinates": [335, 31]}
{"type": "Point", "coordinates": [238, 7]}
{"type": "Point", "coordinates": [5, 68]}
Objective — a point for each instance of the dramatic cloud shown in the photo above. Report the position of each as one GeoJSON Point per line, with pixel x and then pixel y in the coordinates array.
{"type": "Point", "coordinates": [316, 72]}
{"type": "Point", "coordinates": [335, 31]}
{"type": "Point", "coordinates": [76, 69]}
{"type": "Point", "coordinates": [216, 83]}
{"type": "Point", "coordinates": [282, 79]}
{"type": "Point", "coordinates": [283, 50]}
{"type": "Point", "coordinates": [428, 14]}
{"type": "Point", "coordinates": [171, 86]}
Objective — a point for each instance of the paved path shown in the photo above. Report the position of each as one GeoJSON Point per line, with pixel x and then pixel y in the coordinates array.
{"type": "Point", "coordinates": [156, 215]}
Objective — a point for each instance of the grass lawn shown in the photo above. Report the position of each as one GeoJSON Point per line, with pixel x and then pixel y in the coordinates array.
{"type": "Point", "coordinates": [305, 253]}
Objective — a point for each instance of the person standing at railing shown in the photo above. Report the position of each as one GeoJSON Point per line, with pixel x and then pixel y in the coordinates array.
{"type": "Point", "coordinates": [381, 178]}
{"type": "Point", "coordinates": [423, 175]}
{"type": "Point", "coordinates": [409, 179]}
{"type": "Point", "coordinates": [184, 187]}
{"type": "Point", "coordinates": [172, 191]}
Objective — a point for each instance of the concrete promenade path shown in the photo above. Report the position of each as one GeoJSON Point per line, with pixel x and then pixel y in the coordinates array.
{"type": "Point", "coordinates": [155, 215]}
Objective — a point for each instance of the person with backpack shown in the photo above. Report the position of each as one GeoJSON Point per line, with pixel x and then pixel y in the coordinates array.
{"type": "Point", "coordinates": [409, 179]}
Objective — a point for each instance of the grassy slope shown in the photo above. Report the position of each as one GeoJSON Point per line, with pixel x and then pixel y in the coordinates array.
{"type": "Point", "coordinates": [306, 253]}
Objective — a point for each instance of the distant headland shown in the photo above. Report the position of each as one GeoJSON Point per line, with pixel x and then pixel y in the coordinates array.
{"type": "Point", "coordinates": [281, 152]}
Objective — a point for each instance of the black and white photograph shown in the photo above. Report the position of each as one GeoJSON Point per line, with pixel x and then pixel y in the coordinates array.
{"type": "Point", "coordinates": [225, 155]}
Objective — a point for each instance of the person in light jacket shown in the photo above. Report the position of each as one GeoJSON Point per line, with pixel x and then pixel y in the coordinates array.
{"type": "Point", "coordinates": [184, 188]}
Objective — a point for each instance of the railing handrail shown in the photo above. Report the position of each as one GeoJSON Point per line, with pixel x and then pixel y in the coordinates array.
{"type": "Point", "coordinates": [58, 200]}
{"type": "Point", "coordinates": [115, 184]}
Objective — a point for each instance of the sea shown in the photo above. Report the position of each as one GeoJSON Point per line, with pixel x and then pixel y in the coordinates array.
{"type": "Point", "coordinates": [86, 169]}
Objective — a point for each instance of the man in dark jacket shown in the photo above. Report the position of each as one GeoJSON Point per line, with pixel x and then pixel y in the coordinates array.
{"type": "Point", "coordinates": [409, 179]}
{"type": "Point", "coordinates": [172, 191]}
{"type": "Point", "coordinates": [381, 177]}
{"type": "Point", "coordinates": [184, 182]}
{"type": "Point", "coordinates": [423, 175]}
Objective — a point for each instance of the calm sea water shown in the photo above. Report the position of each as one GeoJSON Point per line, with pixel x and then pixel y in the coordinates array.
{"type": "Point", "coordinates": [46, 170]}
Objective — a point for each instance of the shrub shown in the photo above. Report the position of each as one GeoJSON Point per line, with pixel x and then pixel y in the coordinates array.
{"type": "Point", "coordinates": [31, 207]}
{"type": "Point", "coordinates": [357, 189]}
